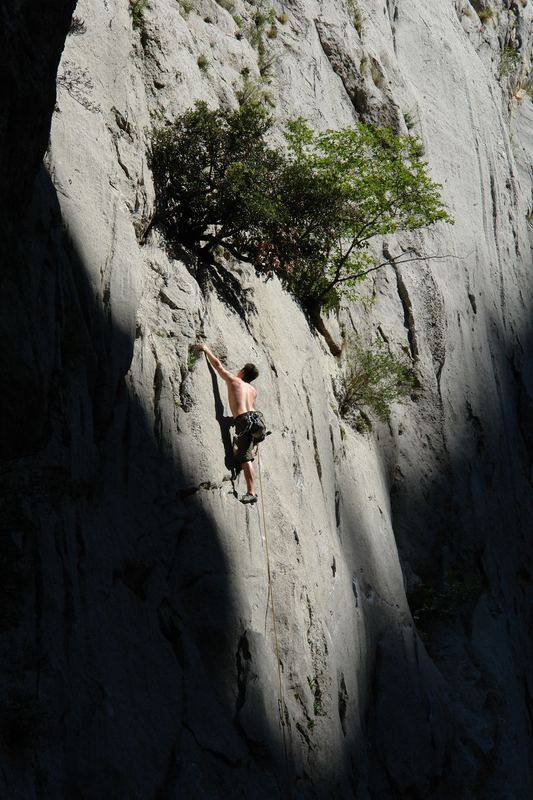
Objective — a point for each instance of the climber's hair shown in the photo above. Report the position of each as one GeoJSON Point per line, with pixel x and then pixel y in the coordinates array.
{"type": "Point", "coordinates": [249, 373]}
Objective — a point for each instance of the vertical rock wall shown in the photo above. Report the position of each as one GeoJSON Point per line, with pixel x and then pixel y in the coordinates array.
{"type": "Point", "coordinates": [137, 630]}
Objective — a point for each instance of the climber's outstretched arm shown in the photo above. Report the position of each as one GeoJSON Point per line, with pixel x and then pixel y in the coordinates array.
{"type": "Point", "coordinates": [216, 363]}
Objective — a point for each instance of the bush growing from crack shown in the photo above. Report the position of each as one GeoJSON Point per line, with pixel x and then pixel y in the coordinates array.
{"type": "Point", "coordinates": [253, 91]}
{"type": "Point", "coordinates": [137, 9]}
{"type": "Point", "coordinates": [356, 16]}
{"type": "Point", "coordinates": [305, 212]}
{"type": "Point", "coordinates": [203, 62]}
{"type": "Point", "coordinates": [510, 61]}
{"type": "Point", "coordinates": [186, 7]}
{"type": "Point", "coordinates": [262, 26]}
{"type": "Point", "coordinates": [485, 14]}
{"type": "Point", "coordinates": [373, 379]}
{"type": "Point", "coordinates": [192, 358]}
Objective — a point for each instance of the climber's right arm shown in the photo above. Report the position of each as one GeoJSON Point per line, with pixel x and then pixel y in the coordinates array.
{"type": "Point", "coordinates": [216, 363]}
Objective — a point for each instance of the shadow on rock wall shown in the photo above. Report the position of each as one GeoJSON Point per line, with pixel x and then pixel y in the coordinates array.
{"type": "Point", "coordinates": [128, 666]}
{"type": "Point", "coordinates": [462, 535]}
{"type": "Point", "coordinates": [130, 671]}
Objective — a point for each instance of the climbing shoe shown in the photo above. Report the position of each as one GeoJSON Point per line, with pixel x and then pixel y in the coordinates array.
{"type": "Point", "coordinates": [249, 498]}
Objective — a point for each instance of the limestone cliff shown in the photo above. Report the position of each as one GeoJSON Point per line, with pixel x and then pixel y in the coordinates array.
{"type": "Point", "coordinates": [139, 649]}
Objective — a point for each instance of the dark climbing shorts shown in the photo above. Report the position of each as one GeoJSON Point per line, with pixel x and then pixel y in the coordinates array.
{"type": "Point", "coordinates": [244, 443]}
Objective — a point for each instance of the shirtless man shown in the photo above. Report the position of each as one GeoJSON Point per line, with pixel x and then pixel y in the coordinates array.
{"type": "Point", "coordinates": [241, 399]}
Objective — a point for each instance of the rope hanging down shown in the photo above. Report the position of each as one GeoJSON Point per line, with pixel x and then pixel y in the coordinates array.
{"type": "Point", "coordinates": [270, 597]}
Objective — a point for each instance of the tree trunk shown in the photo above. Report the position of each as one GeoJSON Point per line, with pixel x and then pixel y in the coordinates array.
{"type": "Point", "coordinates": [313, 310]}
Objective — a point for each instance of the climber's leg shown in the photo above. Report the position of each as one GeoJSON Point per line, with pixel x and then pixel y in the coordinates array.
{"type": "Point", "coordinates": [249, 475]}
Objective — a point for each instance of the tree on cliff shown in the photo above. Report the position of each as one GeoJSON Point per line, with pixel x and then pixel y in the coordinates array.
{"type": "Point", "coordinates": [305, 211]}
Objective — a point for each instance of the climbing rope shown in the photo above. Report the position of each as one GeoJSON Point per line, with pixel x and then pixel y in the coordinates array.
{"type": "Point", "coordinates": [281, 700]}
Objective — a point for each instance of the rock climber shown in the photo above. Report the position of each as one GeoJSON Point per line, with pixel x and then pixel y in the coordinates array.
{"type": "Point", "coordinates": [249, 424]}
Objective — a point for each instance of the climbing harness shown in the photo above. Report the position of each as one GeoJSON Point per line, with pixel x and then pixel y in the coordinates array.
{"type": "Point", "coordinates": [270, 597]}
{"type": "Point", "coordinates": [254, 426]}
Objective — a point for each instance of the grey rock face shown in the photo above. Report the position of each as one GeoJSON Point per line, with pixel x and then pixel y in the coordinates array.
{"type": "Point", "coordinates": [137, 627]}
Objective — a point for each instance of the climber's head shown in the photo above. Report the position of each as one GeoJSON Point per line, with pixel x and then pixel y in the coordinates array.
{"type": "Point", "coordinates": [248, 373]}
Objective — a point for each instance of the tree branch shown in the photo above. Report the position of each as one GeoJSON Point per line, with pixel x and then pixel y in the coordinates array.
{"type": "Point", "coordinates": [393, 262]}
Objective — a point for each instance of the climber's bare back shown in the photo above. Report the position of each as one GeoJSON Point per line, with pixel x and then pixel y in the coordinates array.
{"type": "Point", "coordinates": [241, 395]}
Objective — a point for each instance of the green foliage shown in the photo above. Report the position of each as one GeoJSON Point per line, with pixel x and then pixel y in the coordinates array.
{"type": "Point", "coordinates": [305, 212]}
{"type": "Point", "coordinates": [374, 378]}
{"type": "Point", "coordinates": [282, 18]}
{"type": "Point", "coordinates": [262, 26]}
{"type": "Point", "coordinates": [355, 15]}
{"type": "Point", "coordinates": [485, 14]}
{"type": "Point", "coordinates": [419, 149]}
{"type": "Point", "coordinates": [137, 9]}
{"type": "Point", "coordinates": [253, 91]}
{"type": "Point", "coordinates": [510, 61]}
{"type": "Point", "coordinates": [340, 189]}
{"type": "Point", "coordinates": [203, 62]}
{"type": "Point", "coordinates": [192, 357]}
{"type": "Point", "coordinates": [185, 7]}
{"type": "Point", "coordinates": [212, 173]}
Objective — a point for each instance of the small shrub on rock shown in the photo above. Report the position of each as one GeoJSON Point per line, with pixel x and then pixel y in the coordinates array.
{"type": "Point", "coordinates": [510, 61]}
{"type": "Point", "coordinates": [186, 7]}
{"type": "Point", "coordinates": [137, 9]}
{"type": "Point", "coordinates": [356, 16]}
{"type": "Point", "coordinates": [485, 14]}
{"type": "Point", "coordinates": [373, 380]}
{"type": "Point", "coordinates": [203, 62]}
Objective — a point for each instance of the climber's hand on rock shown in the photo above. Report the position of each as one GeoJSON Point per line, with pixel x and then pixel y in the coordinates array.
{"type": "Point", "coordinates": [201, 347]}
